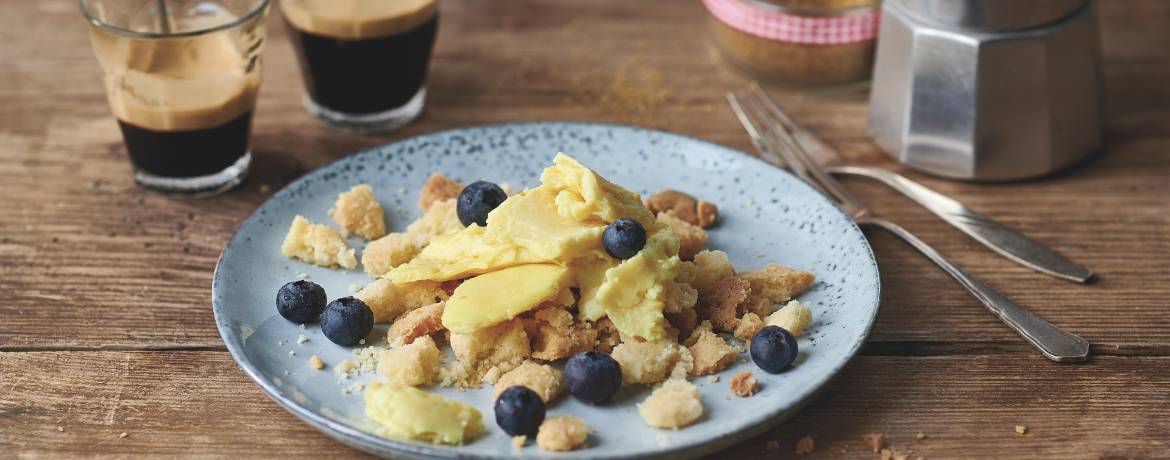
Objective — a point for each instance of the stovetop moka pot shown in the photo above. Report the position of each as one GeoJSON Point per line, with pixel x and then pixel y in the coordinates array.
{"type": "Point", "coordinates": [989, 90]}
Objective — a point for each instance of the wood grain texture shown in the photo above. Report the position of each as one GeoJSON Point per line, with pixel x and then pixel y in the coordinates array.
{"type": "Point", "coordinates": [192, 403]}
{"type": "Point", "coordinates": [105, 288]}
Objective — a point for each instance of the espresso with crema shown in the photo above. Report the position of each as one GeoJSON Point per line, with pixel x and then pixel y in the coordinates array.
{"type": "Point", "coordinates": [185, 104]}
{"type": "Point", "coordinates": [362, 56]}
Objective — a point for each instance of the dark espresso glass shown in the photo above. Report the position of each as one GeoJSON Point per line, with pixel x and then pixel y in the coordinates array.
{"type": "Point", "coordinates": [192, 153]}
{"type": "Point", "coordinates": [182, 78]}
{"type": "Point", "coordinates": [365, 76]}
{"type": "Point", "coordinates": [362, 74]}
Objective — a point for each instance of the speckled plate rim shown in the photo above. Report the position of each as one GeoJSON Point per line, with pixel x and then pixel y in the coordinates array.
{"type": "Point", "coordinates": [387, 447]}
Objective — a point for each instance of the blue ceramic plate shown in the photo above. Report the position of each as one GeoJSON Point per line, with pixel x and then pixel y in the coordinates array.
{"type": "Point", "coordinates": [766, 215]}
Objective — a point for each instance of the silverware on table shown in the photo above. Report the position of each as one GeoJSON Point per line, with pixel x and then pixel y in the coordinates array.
{"type": "Point", "coordinates": [778, 147]}
{"type": "Point", "coordinates": [1003, 240]}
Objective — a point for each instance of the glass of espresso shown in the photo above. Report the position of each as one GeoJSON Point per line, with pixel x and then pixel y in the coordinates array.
{"type": "Point", "coordinates": [182, 77]}
{"type": "Point", "coordinates": [364, 62]}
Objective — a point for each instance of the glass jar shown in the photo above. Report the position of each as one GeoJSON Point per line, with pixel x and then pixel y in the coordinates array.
{"type": "Point", "coordinates": [798, 44]}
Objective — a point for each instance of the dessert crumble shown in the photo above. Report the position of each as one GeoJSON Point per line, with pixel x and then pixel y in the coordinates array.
{"type": "Point", "coordinates": [357, 211]}
{"type": "Point", "coordinates": [547, 382]}
{"type": "Point", "coordinates": [562, 433]}
{"type": "Point", "coordinates": [317, 244]}
{"type": "Point", "coordinates": [744, 384]}
{"type": "Point", "coordinates": [672, 406]}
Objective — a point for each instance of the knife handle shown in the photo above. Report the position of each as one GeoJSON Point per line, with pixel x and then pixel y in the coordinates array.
{"type": "Point", "coordinates": [1054, 342]}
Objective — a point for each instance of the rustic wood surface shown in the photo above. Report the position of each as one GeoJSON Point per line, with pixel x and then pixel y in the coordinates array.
{"type": "Point", "coordinates": [105, 288]}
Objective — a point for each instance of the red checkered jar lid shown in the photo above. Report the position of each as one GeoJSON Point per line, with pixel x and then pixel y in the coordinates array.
{"type": "Point", "coordinates": [776, 23]}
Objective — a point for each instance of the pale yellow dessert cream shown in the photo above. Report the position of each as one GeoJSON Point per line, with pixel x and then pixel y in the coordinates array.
{"type": "Point", "coordinates": [554, 233]}
{"type": "Point", "coordinates": [415, 414]}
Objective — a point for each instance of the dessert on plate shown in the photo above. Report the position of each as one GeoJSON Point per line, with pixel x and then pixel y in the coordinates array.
{"type": "Point", "coordinates": [578, 268]}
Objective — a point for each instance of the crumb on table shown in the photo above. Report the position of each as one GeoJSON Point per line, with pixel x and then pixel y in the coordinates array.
{"type": "Point", "coordinates": [1021, 429]}
{"type": "Point", "coordinates": [875, 440]}
{"type": "Point", "coordinates": [804, 445]}
{"type": "Point", "coordinates": [773, 445]}
{"type": "Point", "coordinates": [519, 441]}
{"type": "Point", "coordinates": [316, 363]}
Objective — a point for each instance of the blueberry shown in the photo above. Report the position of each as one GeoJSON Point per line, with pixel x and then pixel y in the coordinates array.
{"type": "Point", "coordinates": [301, 301]}
{"type": "Point", "coordinates": [592, 377]}
{"type": "Point", "coordinates": [477, 200]}
{"type": "Point", "coordinates": [773, 348]}
{"type": "Point", "coordinates": [519, 411]}
{"type": "Point", "coordinates": [347, 321]}
{"type": "Point", "coordinates": [624, 238]}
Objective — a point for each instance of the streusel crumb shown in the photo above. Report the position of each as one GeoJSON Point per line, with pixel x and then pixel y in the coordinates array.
{"type": "Point", "coordinates": [778, 284]}
{"type": "Point", "coordinates": [344, 369]}
{"type": "Point", "coordinates": [672, 406]}
{"type": "Point", "coordinates": [744, 384]}
{"type": "Point", "coordinates": [493, 350]}
{"type": "Point", "coordinates": [317, 244]}
{"type": "Point", "coordinates": [387, 252]}
{"type": "Point", "coordinates": [553, 343]}
{"type": "Point", "coordinates": [674, 203]}
{"type": "Point", "coordinates": [388, 300]}
{"type": "Point", "coordinates": [416, 323]}
{"type": "Point", "coordinates": [608, 336]}
{"type": "Point", "coordinates": [1021, 429]}
{"type": "Point", "coordinates": [679, 296]}
{"type": "Point", "coordinates": [686, 272]}
{"type": "Point", "coordinates": [358, 212]}
{"type": "Point", "coordinates": [562, 433]}
{"type": "Point", "coordinates": [711, 354]}
{"type": "Point", "coordinates": [438, 188]}
{"type": "Point", "coordinates": [794, 317]}
{"type": "Point", "coordinates": [723, 303]}
{"type": "Point", "coordinates": [748, 326]}
{"type": "Point", "coordinates": [713, 266]}
{"type": "Point", "coordinates": [773, 445]}
{"type": "Point", "coordinates": [760, 306]}
{"type": "Point", "coordinates": [519, 441]}
{"type": "Point", "coordinates": [411, 365]}
{"type": "Point", "coordinates": [685, 321]}
{"type": "Point", "coordinates": [804, 445]}
{"type": "Point", "coordinates": [440, 219]}
{"type": "Point", "coordinates": [875, 440]}
{"type": "Point", "coordinates": [690, 237]}
{"type": "Point", "coordinates": [543, 379]}
{"type": "Point", "coordinates": [316, 363]}
{"type": "Point", "coordinates": [708, 213]}
{"type": "Point", "coordinates": [650, 362]}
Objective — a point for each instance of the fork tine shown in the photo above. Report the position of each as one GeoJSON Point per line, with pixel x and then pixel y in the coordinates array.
{"type": "Point", "coordinates": [774, 109]}
{"type": "Point", "coordinates": [770, 132]}
{"type": "Point", "coordinates": [748, 124]}
{"type": "Point", "coordinates": [827, 183]}
{"type": "Point", "coordinates": [763, 145]}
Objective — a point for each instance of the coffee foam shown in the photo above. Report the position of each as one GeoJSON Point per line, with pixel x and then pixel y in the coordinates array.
{"type": "Point", "coordinates": [178, 84]}
{"type": "Point", "coordinates": [358, 19]}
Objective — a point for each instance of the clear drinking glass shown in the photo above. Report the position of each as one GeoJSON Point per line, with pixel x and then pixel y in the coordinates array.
{"type": "Point", "coordinates": [364, 62]}
{"type": "Point", "coordinates": [182, 78]}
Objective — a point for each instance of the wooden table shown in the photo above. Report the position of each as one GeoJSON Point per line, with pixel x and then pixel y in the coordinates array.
{"type": "Point", "coordinates": [105, 288]}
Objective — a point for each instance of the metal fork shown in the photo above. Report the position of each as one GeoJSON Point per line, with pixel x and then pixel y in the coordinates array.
{"type": "Point", "coordinates": [1003, 240]}
{"type": "Point", "coordinates": [778, 147]}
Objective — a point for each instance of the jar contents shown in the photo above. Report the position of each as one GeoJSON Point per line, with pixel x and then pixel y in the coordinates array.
{"type": "Point", "coordinates": [803, 44]}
